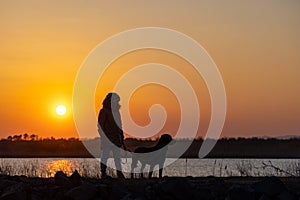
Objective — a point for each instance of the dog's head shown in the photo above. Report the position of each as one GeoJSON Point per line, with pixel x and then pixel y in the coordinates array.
{"type": "Point", "coordinates": [165, 139]}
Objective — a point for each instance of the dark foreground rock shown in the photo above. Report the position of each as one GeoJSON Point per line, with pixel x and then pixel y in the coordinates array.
{"type": "Point", "coordinates": [62, 187]}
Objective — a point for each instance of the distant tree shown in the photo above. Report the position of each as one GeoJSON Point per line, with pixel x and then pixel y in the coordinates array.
{"type": "Point", "coordinates": [32, 137]}
{"type": "Point", "coordinates": [10, 138]}
{"type": "Point", "coordinates": [25, 136]}
{"type": "Point", "coordinates": [14, 137]}
{"type": "Point", "coordinates": [73, 139]}
{"type": "Point", "coordinates": [17, 137]}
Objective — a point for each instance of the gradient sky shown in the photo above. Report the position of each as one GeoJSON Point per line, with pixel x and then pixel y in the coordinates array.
{"type": "Point", "coordinates": [255, 44]}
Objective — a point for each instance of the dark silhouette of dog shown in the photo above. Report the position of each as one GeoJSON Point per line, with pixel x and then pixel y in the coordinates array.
{"type": "Point", "coordinates": [156, 158]}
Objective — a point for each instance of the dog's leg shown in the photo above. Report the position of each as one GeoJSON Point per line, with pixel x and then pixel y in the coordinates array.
{"type": "Point", "coordinates": [132, 171]}
{"type": "Point", "coordinates": [142, 170]}
{"type": "Point", "coordinates": [133, 164]}
{"type": "Point", "coordinates": [151, 170]}
{"type": "Point", "coordinates": [160, 171]}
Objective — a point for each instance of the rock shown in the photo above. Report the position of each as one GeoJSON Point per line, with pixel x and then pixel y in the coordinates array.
{"type": "Point", "coordinates": [62, 187]}
{"type": "Point", "coordinates": [14, 192]}
{"type": "Point", "coordinates": [203, 193]}
{"type": "Point", "coordinates": [237, 192]}
{"type": "Point", "coordinates": [76, 179]}
{"type": "Point", "coordinates": [47, 192]}
{"type": "Point", "coordinates": [271, 186]}
{"type": "Point", "coordinates": [175, 188]}
{"type": "Point", "coordinates": [149, 192]}
{"type": "Point", "coordinates": [104, 191]}
{"type": "Point", "coordinates": [6, 183]}
{"type": "Point", "coordinates": [218, 189]}
{"type": "Point", "coordinates": [119, 191]}
{"type": "Point", "coordinates": [128, 196]}
{"type": "Point", "coordinates": [34, 181]}
{"type": "Point", "coordinates": [83, 192]}
{"type": "Point", "coordinates": [285, 195]}
{"type": "Point", "coordinates": [264, 197]}
{"type": "Point", "coordinates": [61, 179]}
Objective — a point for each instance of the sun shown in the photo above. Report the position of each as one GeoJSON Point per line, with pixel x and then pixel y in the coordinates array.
{"type": "Point", "coordinates": [61, 110]}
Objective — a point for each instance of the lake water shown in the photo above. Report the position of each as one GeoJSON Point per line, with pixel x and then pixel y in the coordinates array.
{"type": "Point", "coordinates": [89, 167]}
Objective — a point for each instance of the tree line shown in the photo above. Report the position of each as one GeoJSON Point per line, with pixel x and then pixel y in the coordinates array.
{"type": "Point", "coordinates": [34, 137]}
{"type": "Point", "coordinates": [25, 145]}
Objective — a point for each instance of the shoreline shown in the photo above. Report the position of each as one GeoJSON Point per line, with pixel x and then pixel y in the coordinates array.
{"type": "Point", "coordinates": [182, 157]}
{"type": "Point", "coordinates": [76, 187]}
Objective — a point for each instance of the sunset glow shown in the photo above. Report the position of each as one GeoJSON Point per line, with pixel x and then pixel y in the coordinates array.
{"type": "Point", "coordinates": [255, 45]}
{"type": "Point", "coordinates": [59, 165]}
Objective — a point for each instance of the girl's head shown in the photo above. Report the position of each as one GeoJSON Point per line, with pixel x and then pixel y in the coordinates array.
{"type": "Point", "coordinates": [111, 101]}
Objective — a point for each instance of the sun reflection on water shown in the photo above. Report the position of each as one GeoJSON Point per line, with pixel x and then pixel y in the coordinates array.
{"type": "Point", "coordinates": [54, 166]}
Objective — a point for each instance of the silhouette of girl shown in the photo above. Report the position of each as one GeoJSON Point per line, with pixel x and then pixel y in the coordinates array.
{"type": "Point", "coordinates": [109, 123]}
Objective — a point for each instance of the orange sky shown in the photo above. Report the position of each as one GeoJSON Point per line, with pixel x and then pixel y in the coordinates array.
{"type": "Point", "coordinates": [255, 44]}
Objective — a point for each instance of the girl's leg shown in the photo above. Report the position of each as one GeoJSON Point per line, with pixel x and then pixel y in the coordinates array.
{"type": "Point", "coordinates": [104, 158]}
{"type": "Point", "coordinates": [117, 158]}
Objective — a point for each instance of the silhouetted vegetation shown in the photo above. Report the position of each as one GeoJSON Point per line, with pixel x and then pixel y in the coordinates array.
{"type": "Point", "coordinates": [237, 147]}
{"type": "Point", "coordinates": [30, 145]}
